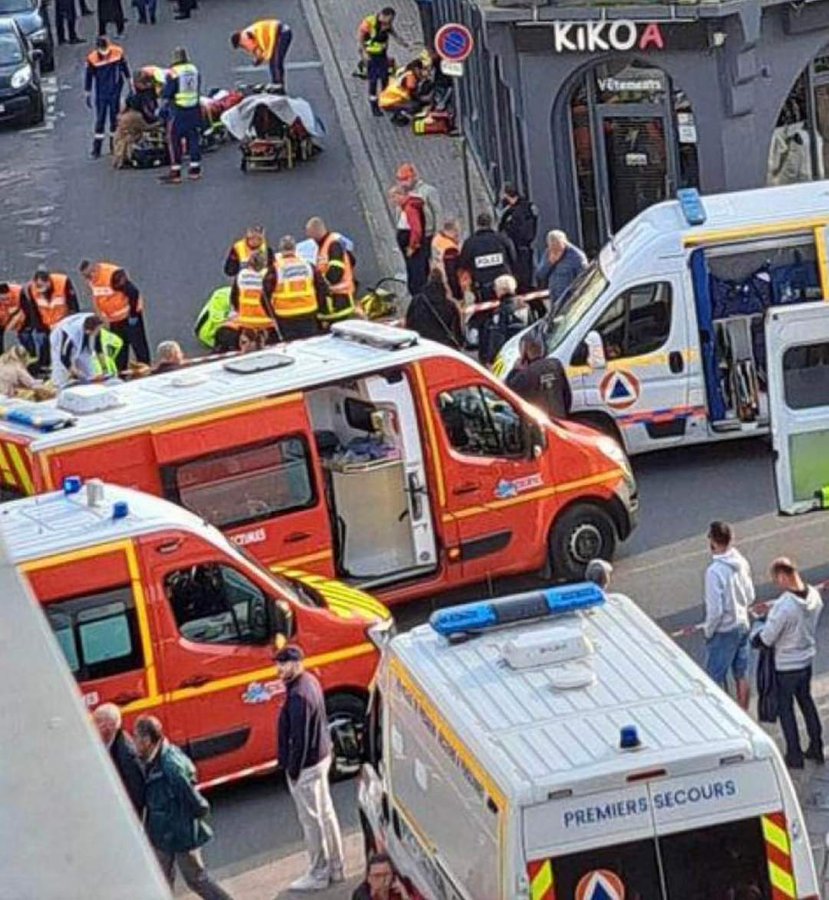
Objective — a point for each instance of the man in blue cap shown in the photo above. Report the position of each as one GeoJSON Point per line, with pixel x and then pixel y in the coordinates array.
{"type": "Point", "coordinates": [305, 756]}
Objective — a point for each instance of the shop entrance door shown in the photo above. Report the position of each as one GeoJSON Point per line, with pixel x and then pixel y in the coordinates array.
{"type": "Point", "coordinates": [636, 161]}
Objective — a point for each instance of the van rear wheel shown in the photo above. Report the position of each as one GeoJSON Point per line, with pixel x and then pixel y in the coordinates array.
{"type": "Point", "coordinates": [584, 532]}
{"type": "Point", "coordinates": [346, 725]}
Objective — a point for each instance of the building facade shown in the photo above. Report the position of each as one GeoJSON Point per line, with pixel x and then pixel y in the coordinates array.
{"type": "Point", "coordinates": [598, 112]}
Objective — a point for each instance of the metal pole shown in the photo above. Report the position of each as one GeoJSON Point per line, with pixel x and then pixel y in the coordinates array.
{"type": "Point", "coordinates": [467, 186]}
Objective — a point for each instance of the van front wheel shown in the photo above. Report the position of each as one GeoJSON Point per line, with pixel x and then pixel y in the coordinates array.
{"type": "Point", "coordinates": [583, 532]}
{"type": "Point", "coordinates": [346, 725]}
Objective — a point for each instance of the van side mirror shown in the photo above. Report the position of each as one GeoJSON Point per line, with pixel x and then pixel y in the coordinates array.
{"type": "Point", "coordinates": [536, 439]}
{"type": "Point", "coordinates": [596, 358]}
{"type": "Point", "coordinates": [37, 55]}
{"type": "Point", "coordinates": [281, 619]}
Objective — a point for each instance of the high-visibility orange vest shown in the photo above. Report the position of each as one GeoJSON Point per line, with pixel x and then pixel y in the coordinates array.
{"type": "Point", "coordinates": [264, 34]}
{"type": "Point", "coordinates": [440, 244]}
{"type": "Point", "coordinates": [295, 293]}
{"type": "Point", "coordinates": [11, 311]}
{"type": "Point", "coordinates": [251, 309]}
{"type": "Point", "coordinates": [346, 284]}
{"type": "Point", "coordinates": [244, 251]}
{"type": "Point", "coordinates": [111, 305]}
{"type": "Point", "coordinates": [51, 309]}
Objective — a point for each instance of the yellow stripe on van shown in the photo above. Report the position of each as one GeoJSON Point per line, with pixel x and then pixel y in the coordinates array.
{"type": "Point", "coordinates": [822, 261]}
{"type": "Point", "coordinates": [782, 881]}
{"type": "Point", "coordinates": [21, 469]}
{"type": "Point", "coordinates": [794, 226]}
{"type": "Point", "coordinates": [542, 884]}
{"type": "Point", "coordinates": [775, 835]}
{"type": "Point", "coordinates": [8, 476]}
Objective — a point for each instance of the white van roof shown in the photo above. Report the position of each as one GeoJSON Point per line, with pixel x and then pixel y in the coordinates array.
{"type": "Point", "coordinates": [46, 525]}
{"type": "Point", "coordinates": [352, 349]}
{"type": "Point", "coordinates": [533, 738]}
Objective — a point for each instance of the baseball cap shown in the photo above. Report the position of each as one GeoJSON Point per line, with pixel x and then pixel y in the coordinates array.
{"type": "Point", "coordinates": [406, 171]}
{"type": "Point", "coordinates": [291, 653]}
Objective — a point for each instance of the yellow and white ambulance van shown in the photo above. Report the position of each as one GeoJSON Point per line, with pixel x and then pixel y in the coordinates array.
{"type": "Point", "coordinates": [662, 336]}
{"type": "Point", "coordinates": [557, 745]}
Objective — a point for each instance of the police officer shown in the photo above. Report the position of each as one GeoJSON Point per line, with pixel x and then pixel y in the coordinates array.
{"type": "Point", "coordinates": [107, 71]}
{"type": "Point", "coordinates": [298, 294]}
{"type": "Point", "coordinates": [181, 91]}
{"type": "Point", "coordinates": [119, 305]}
{"type": "Point", "coordinates": [47, 299]}
{"type": "Point", "coordinates": [268, 41]}
{"type": "Point", "coordinates": [373, 37]}
{"type": "Point", "coordinates": [540, 379]}
{"type": "Point", "coordinates": [519, 222]}
{"type": "Point", "coordinates": [241, 251]}
{"type": "Point", "coordinates": [486, 255]}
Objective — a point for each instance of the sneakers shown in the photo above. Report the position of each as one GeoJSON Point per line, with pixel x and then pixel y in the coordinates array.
{"type": "Point", "coordinates": [194, 174]}
{"type": "Point", "coordinates": [310, 882]}
{"type": "Point", "coordinates": [375, 108]}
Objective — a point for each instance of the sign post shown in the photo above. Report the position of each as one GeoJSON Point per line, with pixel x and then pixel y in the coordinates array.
{"type": "Point", "coordinates": [453, 44]}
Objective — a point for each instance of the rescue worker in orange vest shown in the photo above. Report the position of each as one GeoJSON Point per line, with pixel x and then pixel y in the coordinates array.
{"type": "Point", "coordinates": [446, 248]}
{"type": "Point", "coordinates": [335, 263]}
{"type": "Point", "coordinates": [250, 298]}
{"type": "Point", "coordinates": [254, 241]}
{"type": "Point", "coordinates": [119, 305]}
{"type": "Point", "coordinates": [298, 295]}
{"type": "Point", "coordinates": [47, 299]}
{"type": "Point", "coordinates": [12, 317]}
{"type": "Point", "coordinates": [266, 40]}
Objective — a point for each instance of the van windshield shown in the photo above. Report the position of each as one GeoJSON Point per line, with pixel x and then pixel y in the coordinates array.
{"type": "Point", "coordinates": [292, 589]}
{"type": "Point", "coordinates": [578, 301]}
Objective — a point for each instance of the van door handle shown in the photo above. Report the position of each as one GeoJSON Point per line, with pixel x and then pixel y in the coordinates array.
{"type": "Point", "coordinates": [127, 697]}
{"type": "Point", "coordinates": [675, 362]}
{"type": "Point", "coordinates": [195, 681]}
{"type": "Point", "coordinates": [296, 536]}
{"type": "Point", "coordinates": [468, 487]}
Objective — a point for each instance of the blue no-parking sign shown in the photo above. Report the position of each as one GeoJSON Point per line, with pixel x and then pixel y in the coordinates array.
{"type": "Point", "coordinates": [454, 42]}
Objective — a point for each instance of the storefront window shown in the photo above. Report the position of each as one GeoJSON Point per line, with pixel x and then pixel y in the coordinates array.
{"type": "Point", "coordinates": [585, 168]}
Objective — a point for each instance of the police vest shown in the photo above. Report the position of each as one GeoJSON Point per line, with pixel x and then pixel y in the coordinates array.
{"type": "Point", "coordinates": [376, 43]}
{"type": "Point", "coordinates": [11, 313]}
{"type": "Point", "coordinates": [440, 244]}
{"type": "Point", "coordinates": [295, 293]}
{"type": "Point", "coordinates": [244, 250]}
{"type": "Point", "coordinates": [251, 309]}
{"type": "Point", "coordinates": [51, 309]}
{"type": "Point", "coordinates": [214, 314]}
{"type": "Point", "coordinates": [187, 94]}
{"type": "Point", "coordinates": [264, 34]}
{"type": "Point", "coordinates": [111, 305]}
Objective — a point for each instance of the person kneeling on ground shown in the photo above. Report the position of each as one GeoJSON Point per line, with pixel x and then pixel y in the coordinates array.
{"type": "Point", "coordinates": [140, 115]}
{"type": "Point", "coordinates": [168, 356]}
{"type": "Point", "coordinates": [14, 372]}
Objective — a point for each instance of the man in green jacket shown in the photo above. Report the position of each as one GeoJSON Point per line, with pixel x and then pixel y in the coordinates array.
{"type": "Point", "coordinates": [212, 319]}
{"type": "Point", "coordinates": [175, 810]}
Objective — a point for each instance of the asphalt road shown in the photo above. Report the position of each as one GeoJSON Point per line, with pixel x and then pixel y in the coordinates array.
{"type": "Point", "coordinates": [59, 206]}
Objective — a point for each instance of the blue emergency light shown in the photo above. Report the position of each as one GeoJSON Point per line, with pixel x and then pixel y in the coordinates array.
{"type": "Point", "coordinates": [120, 509]}
{"type": "Point", "coordinates": [72, 484]}
{"type": "Point", "coordinates": [484, 614]}
{"type": "Point", "coordinates": [690, 203]}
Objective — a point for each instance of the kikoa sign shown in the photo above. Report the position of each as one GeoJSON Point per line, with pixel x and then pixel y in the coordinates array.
{"type": "Point", "coordinates": [594, 37]}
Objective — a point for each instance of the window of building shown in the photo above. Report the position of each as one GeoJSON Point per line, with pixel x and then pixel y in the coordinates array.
{"type": "Point", "coordinates": [637, 322]}
{"type": "Point", "coordinates": [806, 376]}
{"type": "Point", "coordinates": [245, 485]}
{"type": "Point", "coordinates": [215, 604]}
{"type": "Point", "coordinates": [478, 422]}
{"type": "Point", "coordinates": [98, 633]}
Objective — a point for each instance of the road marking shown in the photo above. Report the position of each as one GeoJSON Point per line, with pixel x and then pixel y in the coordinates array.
{"type": "Point", "coordinates": [50, 88]}
{"type": "Point", "coordinates": [291, 66]}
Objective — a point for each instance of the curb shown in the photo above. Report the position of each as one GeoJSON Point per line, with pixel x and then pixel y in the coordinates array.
{"type": "Point", "coordinates": [378, 215]}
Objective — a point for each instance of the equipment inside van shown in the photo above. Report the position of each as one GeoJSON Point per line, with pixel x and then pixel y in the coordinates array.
{"type": "Point", "coordinates": [663, 335]}
{"type": "Point", "coordinates": [558, 744]}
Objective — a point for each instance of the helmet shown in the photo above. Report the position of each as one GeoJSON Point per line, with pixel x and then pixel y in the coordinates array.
{"type": "Point", "coordinates": [179, 55]}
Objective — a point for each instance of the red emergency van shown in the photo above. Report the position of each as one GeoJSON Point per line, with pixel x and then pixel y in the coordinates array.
{"type": "Point", "coordinates": [157, 611]}
{"type": "Point", "coordinates": [369, 454]}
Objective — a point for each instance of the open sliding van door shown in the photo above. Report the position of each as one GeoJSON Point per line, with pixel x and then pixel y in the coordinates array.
{"type": "Point", "coordinates": [797, 341]}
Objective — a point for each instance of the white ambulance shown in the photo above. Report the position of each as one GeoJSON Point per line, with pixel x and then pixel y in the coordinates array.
{"type": "Point", "coordinates": [662, 337]}
{"type": "Point", "coordinates": [557, 745]}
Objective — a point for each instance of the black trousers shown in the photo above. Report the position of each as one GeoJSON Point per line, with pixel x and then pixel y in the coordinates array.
{"type": "Point", "coordinates": [134, 336]}
{"type": "Point", "coordinates": [295, 328]}
{"type": "Point", "coordinates": [791, 686]}
{"type": "Point", "coordinates": [112, 12]}
{"type": "Point", "coordinates": [377, 70]}
{"type": "Point", "coordinates": [65, 21]}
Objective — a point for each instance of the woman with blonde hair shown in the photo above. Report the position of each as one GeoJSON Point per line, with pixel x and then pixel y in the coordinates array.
{"type": "Point", "coordinates": [14, 374]}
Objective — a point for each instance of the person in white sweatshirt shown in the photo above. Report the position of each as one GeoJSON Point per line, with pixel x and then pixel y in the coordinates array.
{"type": "Point", "coordinates": [790, 628]}
{"type": "Point", "coordinates": [729, 591]}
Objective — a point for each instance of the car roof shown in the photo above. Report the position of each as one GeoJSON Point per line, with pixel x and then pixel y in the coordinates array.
{"type": "Point", "coordinates": [536, 734]}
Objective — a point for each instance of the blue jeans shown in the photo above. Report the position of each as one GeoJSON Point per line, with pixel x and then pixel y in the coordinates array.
{"type": "Point", "coordinates": [277, 62]}
{"type": "Point", "coordinates": [727, 651]}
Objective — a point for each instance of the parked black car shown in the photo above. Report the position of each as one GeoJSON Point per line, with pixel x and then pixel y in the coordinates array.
{"type": "Point", "coordinates": [33, 20]}
{"type": "Point", "coordinates": [21, 96]}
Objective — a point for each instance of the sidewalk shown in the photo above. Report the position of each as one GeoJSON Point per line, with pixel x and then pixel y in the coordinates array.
{"type": "Point", "coordinates": [377, 146]}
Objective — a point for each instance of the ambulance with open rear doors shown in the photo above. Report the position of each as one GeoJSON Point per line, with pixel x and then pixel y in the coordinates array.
{"type": "Point", "coordinates": [391, 462]}
{"type": "Point", "coordinates": [158, 612]}
{"type": "Point", "coordinates": [663, 336]}
{"type": "Point", "coordinates": [557, 745]}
